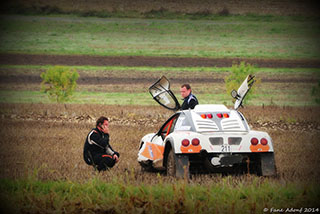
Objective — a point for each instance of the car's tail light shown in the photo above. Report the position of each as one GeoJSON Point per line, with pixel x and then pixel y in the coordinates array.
{"type": "Point", "coordinates": [195, 141]}
{"type": "Point", "coordinates": [219, 115]}
{"type": "Point", "coordinates": [264, 141]}
{"type": "Point", "coordinates": [224, 115]}
{"type": "Point", "coordinates": [204, 116]}
{"type": "Point", "coordinates": [185, 142]}
{"type": "Point", "coordinates": [254, 141]}
{"type": "Point", "coordinates": [209, 116]}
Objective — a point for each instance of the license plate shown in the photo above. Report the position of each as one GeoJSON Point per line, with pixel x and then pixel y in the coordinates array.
{"type": "Point", "coordinates": [225, 148]}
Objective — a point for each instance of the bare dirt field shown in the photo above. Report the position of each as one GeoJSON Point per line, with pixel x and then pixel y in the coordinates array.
{"type": "Point", "coordinates": [47, 139]}
{"type": "Point", "coordinates": [92, 80]}
{"type": "Point", "coordinates": [149, 8]}
{"type": "Point", "coordinates": [33, 59]}
{"type": "Point", "coordinates": [19, 79]}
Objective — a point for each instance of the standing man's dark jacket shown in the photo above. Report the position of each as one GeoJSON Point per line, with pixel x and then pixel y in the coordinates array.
{"type": "Point", "coordinates": [189, 102]}
{"type": "Point", "coordinates": [97, 149]}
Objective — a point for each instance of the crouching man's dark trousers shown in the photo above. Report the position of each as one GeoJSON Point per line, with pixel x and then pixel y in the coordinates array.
{"type": "Point", "coordinates": [103, 161]}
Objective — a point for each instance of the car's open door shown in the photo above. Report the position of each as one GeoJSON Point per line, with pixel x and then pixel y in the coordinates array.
{"type": "Point", "coordinates": [161, 92]}
{"type": "Point", "coordinates": [242, 91]}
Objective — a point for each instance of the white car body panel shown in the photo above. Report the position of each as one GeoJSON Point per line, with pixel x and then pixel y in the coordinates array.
{"type": "Point", "coordinates": [243, 147]}
{"type": "Point", "coordinates": [235, 126]}
{"type": "Point", "coordinates": [210, 136]}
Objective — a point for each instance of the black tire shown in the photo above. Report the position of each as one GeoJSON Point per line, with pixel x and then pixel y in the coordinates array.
{"type": "Point", "coordinates": [147, 167]}
{"type": "Point", "coordinates": [267, 164]}
{"type": "Point", "coordinates": [170, 164]}
{"type": "Point", "coordinates": [254, 165]}
{"type": "Point", "coordinates": [176, 165]}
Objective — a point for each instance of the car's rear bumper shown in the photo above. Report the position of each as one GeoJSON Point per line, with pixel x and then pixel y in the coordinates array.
{"type": "Point", "coordinates": [262, 163]}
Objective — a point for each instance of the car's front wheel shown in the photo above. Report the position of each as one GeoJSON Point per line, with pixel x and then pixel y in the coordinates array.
{"type": "Point", "coordinates": [171, 166]}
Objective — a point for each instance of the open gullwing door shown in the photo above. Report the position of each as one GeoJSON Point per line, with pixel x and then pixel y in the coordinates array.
{"type": "Point", "coordinates": [160, 91]}
{"type": "Point", "coordinates": [242, 91]}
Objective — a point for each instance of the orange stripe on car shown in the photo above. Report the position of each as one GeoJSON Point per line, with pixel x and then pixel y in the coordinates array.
{"type": "Point", "coordinates": [259, 148]}
{"type": "Point", "coordinates": [153, 151]}
{"type": "Point", "coordinates": [190, 149]}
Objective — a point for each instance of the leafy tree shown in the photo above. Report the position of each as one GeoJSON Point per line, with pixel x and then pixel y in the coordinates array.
{"type": "Point", "coordinates": [238, 74]}
{"type": "Point", "coordinates": [316, 92]}
{"type": "Point", "coordinates": [59, 83]}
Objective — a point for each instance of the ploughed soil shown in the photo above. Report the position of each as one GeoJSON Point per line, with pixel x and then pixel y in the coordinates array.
{"type": "Point", "coordinates": [32, 59]}
{"type": "Point", "coordinates": [152, 61]}
{"type": "Point", "coordinates": [52, 135]}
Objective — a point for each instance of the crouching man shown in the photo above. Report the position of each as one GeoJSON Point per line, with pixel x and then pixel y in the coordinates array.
{"type": "Point", "coordinates": [97, 150]}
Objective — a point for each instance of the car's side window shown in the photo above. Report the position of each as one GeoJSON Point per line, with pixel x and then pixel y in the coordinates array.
{"type": "Point", "coordinates": [174, 121]}
{"type": "Point", "coordinates": [182, 124]}
{"type": "Point", "coordinates": [169, 126]}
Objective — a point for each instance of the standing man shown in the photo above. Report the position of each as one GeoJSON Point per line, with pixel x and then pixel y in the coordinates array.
{"type": "Point", "coordinates": [97, 150]}
{"type": "Point", "coordinates": [189, 100]}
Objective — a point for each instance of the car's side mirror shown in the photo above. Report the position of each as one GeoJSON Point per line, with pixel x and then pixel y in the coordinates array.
{"type": "Point", "coordinates": [234, 94]}
{"type": "Point", "coordinates": [242, 91]}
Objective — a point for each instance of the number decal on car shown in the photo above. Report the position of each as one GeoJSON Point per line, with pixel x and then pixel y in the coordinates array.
{"type": "Point", "coordinates": [225, 148]}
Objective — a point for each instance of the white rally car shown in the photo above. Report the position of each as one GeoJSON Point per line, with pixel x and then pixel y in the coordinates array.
{"type": "Point", "coordinates": [208, 138]}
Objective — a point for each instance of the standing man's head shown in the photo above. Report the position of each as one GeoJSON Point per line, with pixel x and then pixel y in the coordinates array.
{"type": "Point", "coordinates": [185, 90]}
{"type": "Point", "coordinates": [103, 124]}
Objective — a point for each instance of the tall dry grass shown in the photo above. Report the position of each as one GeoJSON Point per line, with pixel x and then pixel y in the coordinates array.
{"type": "Point", "coordinates": [42, 143]}
{"type": "Point", "coordinates": [46, 140]}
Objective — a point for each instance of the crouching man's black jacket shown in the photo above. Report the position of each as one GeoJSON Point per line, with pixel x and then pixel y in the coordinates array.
{"type": "Point", "coordinates": [97, 143]}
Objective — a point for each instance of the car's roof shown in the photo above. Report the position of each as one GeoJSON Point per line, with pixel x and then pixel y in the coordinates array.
{"type": "Point", "coordinates": [200, 121]}
{"type": "Point", "coordinates": [210, 108]}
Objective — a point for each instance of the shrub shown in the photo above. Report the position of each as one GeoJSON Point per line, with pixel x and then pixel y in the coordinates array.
{"type": "Point", "coordinates": [59, 83]}
{"type": "Point", "coordinates": [316, 92]}
{"type": "Point", "coordinates": [238, 74]}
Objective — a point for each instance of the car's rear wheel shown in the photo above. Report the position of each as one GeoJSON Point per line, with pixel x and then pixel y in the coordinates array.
{"type": "Point", "coordinates": [267, 165]}
{"type": "Point", "coordinates": [176, 165]}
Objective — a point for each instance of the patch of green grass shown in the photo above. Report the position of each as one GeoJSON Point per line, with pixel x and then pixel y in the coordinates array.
{"type": "Point", "coordinates": [91, 69]}
{"type": "Point", "coordinates": [225, 196]}
{"type": "Point", "coordinates": [282, 94]}
{"type": "Point", "coordinates": [78, 97]}
{"type": "Point", "coordinates": [233, 36]}
{"type": "Point", "coordinates": [31, 68]}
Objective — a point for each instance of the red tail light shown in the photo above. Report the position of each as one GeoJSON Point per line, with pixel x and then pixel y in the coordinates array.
{"type": "Point", "coordinates": [209, 116]}
{"type": "Point", "coordinates": [264, 141]}
{"type": "Point", "coordinates": [225, 115]}
{"type": "Point", "coordinates": [219, 115]}
{"type": "Point", "coordinates": [203, 116]}
{"type": "Point", "coordinates": [195, 141]}
{"type": "Point", "coordinates": [254, 141]}
{"type": "Point", "coordinates": [185, 142]}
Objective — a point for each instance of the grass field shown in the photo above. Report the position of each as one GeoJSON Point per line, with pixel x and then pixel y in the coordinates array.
{"type": "Point", "coordinates": [279, 86]}
{"type": "Point", "coordinates": [233, 36]}
{"type": "Point", "coordinates": [41, 167]}
{"type": "Point", "coordinates": [241, 196]}
{"type": "Point", "coordinates": [300, 96]}
{"type": "Point", "coordinates": [43, 170]}
{"type": "Point", "coordinates": [173, 71]}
